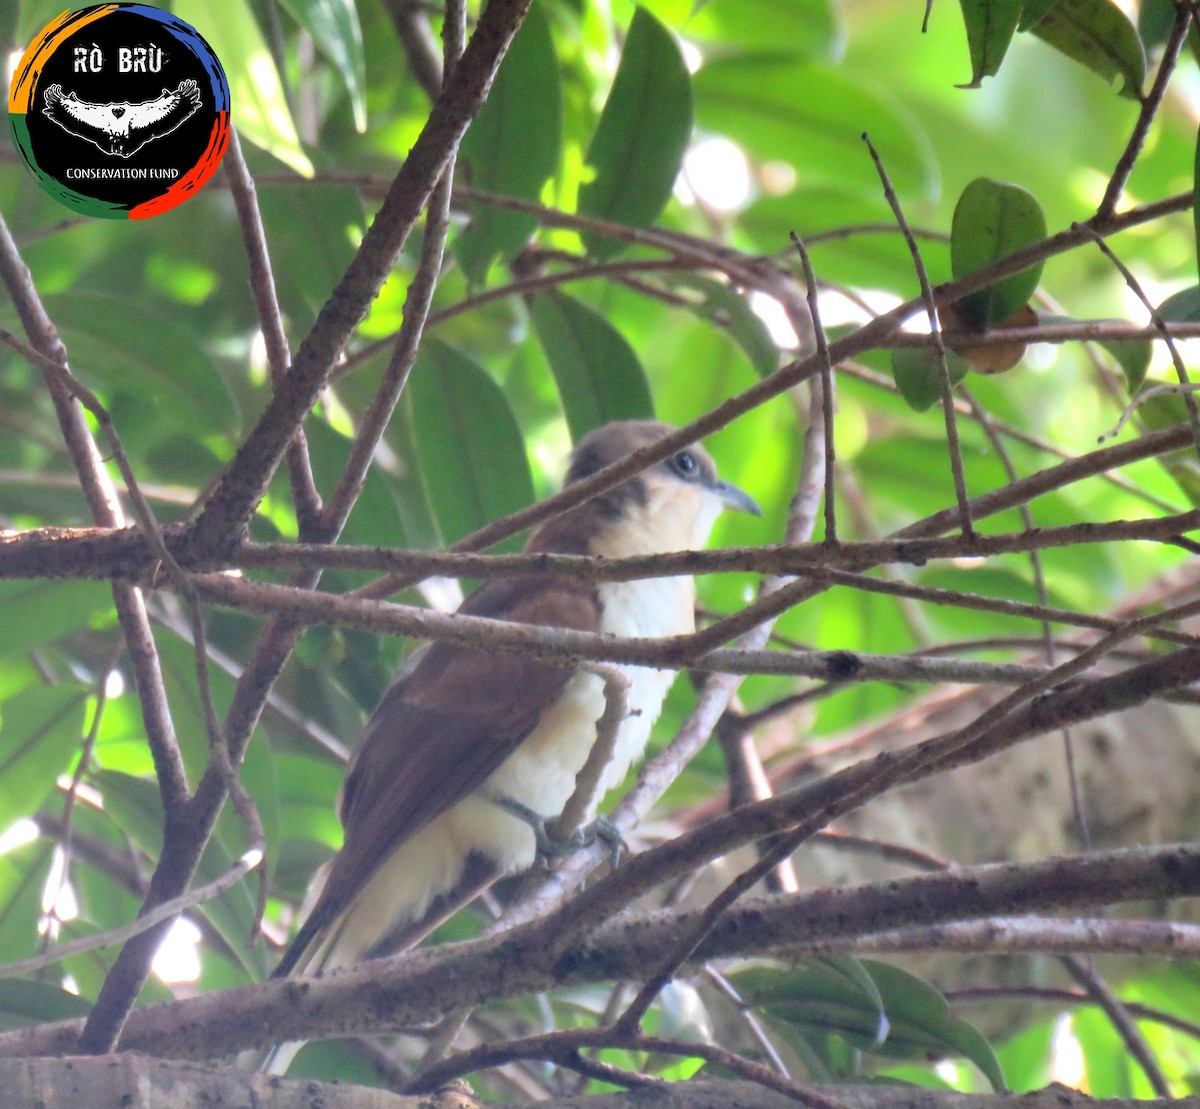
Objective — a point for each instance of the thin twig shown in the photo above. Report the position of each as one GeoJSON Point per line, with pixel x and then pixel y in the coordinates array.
{"type": "Point", "coordinates": [826, 398]}
{"type": "Point", "coordinates": [1150, 106]}
{"type": "Point", "coordinates": [1118, 1016]}
{"type": "Point", "coordinates": [1160, 324]}
{"type": "Point", "coordinates": [939, 346]}
{"type": "Point", "coordinates": [305, 497]}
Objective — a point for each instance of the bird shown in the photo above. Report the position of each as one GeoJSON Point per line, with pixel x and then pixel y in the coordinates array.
{"type": "Point", "coordinates": [471, 749]}
{"type": "Point", "coordinates": [122, 128]}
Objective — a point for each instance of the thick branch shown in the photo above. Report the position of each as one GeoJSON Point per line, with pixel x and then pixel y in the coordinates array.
{"type": "Point", "coordinates": [423, 985]}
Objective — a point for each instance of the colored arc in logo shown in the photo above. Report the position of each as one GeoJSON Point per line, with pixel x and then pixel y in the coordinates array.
{"type": "Point", "coordinates": [120, 110]}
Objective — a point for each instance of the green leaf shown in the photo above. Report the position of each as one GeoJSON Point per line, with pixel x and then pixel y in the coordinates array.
{"type": "Point", "coordinates": [472, 454]}
{"type": "Point", "coordinates": [991, 220]}
{"type": "Point", "coordinates": [921, 1019]}
{"type": "Point", "coordinates": [729, 310]}
{"type": "Point", "coordinates": [638, 146]}
{"type": "Point", "coordinates": [1132, 355]}
{"type": "Point", "coordinates": [598, 373]}
{"type": "Point", "coordinates": [135, 807]}
{"type": "Point", "coordinates": [1196, 200]}
{"type": "Point", "coordinates": [803, 29]}
{"type": "Point", "coordinates": [37, 612]}
{"type": "Point", "coordinates": [1034, 11]}
{"type": "Point", "coordinates": [153, 367]}
{"type": "Point", "coordinates": [990, 25]}
{"type": "Point", "coordinates": [1097, 34]}
{"type": "Point", "coordinates": [334, 28]}
{"type": "Point", "coordinates": [812, 117]}
{"type": "Point", "coordinates": [23, 874]}
{"type": "Point", "coordinates": [24, 1002]}
{"type": "Point", "coordinates": [312, 232]}
{"type": "Point", "coordinates": [830, 996]}
{"type": "Point", "coordinates": [1182, 307]}
{"type": "Point", "coordinates": [260, 109]}
{"type": "Point", "coordinates": [513, 146]}
{"type": "Point", "coordinates": [918, 377]}
{"type": "Point", "coordinates": [42, 732]}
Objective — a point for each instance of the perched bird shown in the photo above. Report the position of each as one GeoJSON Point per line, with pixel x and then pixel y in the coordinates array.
{"type": "Point", "coordinates": [122, 128]}
{"type": "Point", "coordinates": [470, 749]}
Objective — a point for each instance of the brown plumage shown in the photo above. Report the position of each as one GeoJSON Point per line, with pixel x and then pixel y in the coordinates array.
{"type": "Point", "coordinates": [464, 730]}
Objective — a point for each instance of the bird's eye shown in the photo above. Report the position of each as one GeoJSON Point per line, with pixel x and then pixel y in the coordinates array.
{"type": "Point", "coordinates": [685, 465]}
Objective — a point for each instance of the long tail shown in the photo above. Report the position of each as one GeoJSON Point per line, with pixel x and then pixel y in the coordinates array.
{"type": "Point", "coordinates": [320, 946]}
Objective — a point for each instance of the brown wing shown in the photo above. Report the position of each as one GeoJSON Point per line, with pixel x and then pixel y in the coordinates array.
{"type": "Point", "coordinates": [442, 729]}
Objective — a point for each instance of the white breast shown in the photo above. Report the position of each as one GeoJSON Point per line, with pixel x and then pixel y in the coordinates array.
{"type": "Point", "coordinates": [540, 773]}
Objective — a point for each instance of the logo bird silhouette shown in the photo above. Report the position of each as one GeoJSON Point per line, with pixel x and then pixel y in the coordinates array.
{"type": "Point", "coordinates": [122, 128]}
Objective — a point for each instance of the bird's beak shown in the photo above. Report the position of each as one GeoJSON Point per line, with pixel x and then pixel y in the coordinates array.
{"type": "Point", "coordinates": [735, 498]}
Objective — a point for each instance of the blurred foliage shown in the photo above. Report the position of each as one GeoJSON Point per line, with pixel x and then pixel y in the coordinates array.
{"type": "Point", "coordinates": [640, 116]}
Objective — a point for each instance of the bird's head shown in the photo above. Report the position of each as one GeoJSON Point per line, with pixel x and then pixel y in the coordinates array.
{"type": "Point", "coordinates": [671, 506]}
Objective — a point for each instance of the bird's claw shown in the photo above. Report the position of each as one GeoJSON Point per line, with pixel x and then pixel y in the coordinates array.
{"type": "Point", "coordinates": [551, 847]}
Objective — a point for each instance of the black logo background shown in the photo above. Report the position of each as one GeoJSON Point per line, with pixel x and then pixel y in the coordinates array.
{"type": "Point", "coordinates": [57, 150]}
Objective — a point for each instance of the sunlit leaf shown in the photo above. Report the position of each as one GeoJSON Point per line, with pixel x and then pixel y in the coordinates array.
{"type": "Point", "coordinates": [260, 108]}
{"type": "Point", "coordinates": [598, 373]}
{"type": "Point", "coordinates": [638, 146]}
{"type": "Point", "coordinates": [23, 874]}
{"type": "Point", "coordinates": [334, 28]}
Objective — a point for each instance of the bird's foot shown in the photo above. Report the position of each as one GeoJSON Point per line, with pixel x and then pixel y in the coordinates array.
{"type": "Point", "coordinates": [550, 846]}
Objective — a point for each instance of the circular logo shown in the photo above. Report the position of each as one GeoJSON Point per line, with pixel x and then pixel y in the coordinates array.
{"type": "Point", "coordinates": [120, 110]}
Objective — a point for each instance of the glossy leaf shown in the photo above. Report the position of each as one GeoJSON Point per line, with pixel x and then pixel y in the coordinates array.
{"type": "Point", "coordinates": [1097, 34]}
{"type": "Point", "coordinates": [598, 373]}
{"type": "Point", "coordinates": [819, 996]}
{"type": "Point", "coordinates": [334, 28]}
{"type": "Point", "coordinates": [259, 106]}
{"type": "Point", "coordinates": [472, 454]}
{"type": "Point", "coordinates": [921, 1019]}
{"type": "Point", "coordinates": [43, 730]}
{"type": "Point", "coordinates": [918, 377]}
{"type": "Point", "coordinates": [513, 147]}
{"type": "Point", "coordinates": [991, 221]}
{"type": "Point", "coordinates": [638, 147]}
{"type": "Point", "coordinates": [990, 25]}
